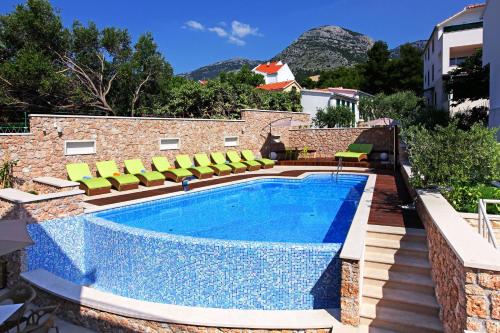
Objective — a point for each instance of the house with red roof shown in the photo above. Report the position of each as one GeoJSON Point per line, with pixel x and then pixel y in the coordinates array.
{"type": "Point", "coordinates": [274, 71]}
{"type": "Point", "coordinates": [285, 86]}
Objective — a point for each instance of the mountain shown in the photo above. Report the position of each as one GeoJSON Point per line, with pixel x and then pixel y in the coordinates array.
{"type": "Point", "coordinates": [325, 47]}
{"type": "Point", "coordinates": [212, 70]}
{"type": "Point", "coordinates": [419, 44]}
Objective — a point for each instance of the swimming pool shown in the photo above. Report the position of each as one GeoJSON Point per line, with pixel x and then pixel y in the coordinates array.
{"type": "Point", "coordinates": [263, 244]}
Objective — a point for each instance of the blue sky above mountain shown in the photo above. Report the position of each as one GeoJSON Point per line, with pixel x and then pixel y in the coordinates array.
{"type": "Point", "coordinates": [192, 34]}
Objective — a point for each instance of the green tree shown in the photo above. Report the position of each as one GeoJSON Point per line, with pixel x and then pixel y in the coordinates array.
{"type": "Point", "coordinates": [339, 116]}
{"type": "Point", "coordinates": [347, 77]}
{"type": "Point", "coordinates": [402, 106]}
{"type": "Point", "coordinates": [94, 60]}
{"type": "Point", "coordinates": [30, 75]}
{"type": "Point", "coordinates": [470, 80]}
{"type": "Point", "coordinates": [375, 70]}
{"type": "Point", "coordinates": [406, 72]}
{"type": "Point", "coordinates": [243, 76]}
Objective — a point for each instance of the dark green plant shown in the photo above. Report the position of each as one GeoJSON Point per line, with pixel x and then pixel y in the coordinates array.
{"type": "Point", "coordinates": [451, 156]}
{"type": "Point", "coordinates": [339, 116]}
{"type": "Point", "coordinates": [470, 81]}
{"type": "Point", "coordinates": [6, 173]}
{"type": "Point", "coordinates": [465, 198]}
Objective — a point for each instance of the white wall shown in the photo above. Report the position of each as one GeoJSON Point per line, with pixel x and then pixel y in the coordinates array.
{"type": "Point", "coordinates": [472, 37]}
{"type": "Point", "coordinates": [312, 101]}
{"type": "Point", "coordinates": [491, 55]}
{"type": "Point", "coordinates": [285, 74]}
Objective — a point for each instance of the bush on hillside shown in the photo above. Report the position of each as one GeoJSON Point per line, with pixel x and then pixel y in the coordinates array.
{"type": "Point", "coordinates": [451, 156]}
{"type": "Point", "coordinates": [339, 116]}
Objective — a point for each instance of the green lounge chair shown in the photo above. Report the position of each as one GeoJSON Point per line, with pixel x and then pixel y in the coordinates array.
{"type": "Point", "coordinates": [80, 172]}
{"type": "Point", "coordinates": [234, 157]}
{"type": "Point", "coordinates": [218, 158]}
{"type": "Point", "coordinates": [200, 172]}
{"type": "Point", "coordinates": [265, 162]}
{"type": "Point", "coordinates": [161, 164]}
{"type": "Point", "coordinates": [121, 182]}
{"type": "Point", "coordinates": [147, 178]}
{"type": "Point", "coordinates": [219, 169]}
{"type": "Point", "coordinates": [356, 151]}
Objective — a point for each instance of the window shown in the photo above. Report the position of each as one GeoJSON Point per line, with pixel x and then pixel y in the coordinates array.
{"type": "Point", "coordinates": [428, 77]}
{"type": "Point", "coordinates": [79, 147]}
{"type": "Point", "coordinates": [338, 102]}
{"type": "Point", "coordinates": [170, 143]}
{"type": "Point", "coordinates": [231, 141]}
{"type": "Point", "coordinates": [432, 72]}
{"type": "Point", "coordinates": [457, 61]}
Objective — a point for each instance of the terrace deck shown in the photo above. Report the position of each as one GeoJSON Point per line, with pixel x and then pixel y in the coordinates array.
{"type": "Point", "coordinates": [390, 193]}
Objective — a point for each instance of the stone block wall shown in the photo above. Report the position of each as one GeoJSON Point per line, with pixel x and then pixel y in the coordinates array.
{"type": "Point", "coordinates": [102, 321]}
{"type": "Point", "coordinates": [350, 292]}
{"type": "Point", "coordinates": [41, 153]}
{"type": "Point", "coordinates": [328, 141]}
{"type": "Point", "coordinates": [39, 211]}
{"type": "Point", "coordinates": [469, 298]}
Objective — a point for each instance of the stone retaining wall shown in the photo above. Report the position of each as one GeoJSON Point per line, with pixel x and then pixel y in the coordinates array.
{"type": "Point", "coordinates": [350, 293]}
{"type": "Point", "coordinates": [328, 141]}
{"type": "Point", "coordinates": [41, 153]}
{"type": "Point", "coordinates": [102, 321]}
{"type": "Point", "coordinates": [469, 298]}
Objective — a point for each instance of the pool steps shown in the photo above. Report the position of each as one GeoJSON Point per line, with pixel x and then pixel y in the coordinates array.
{"type": "Point", "coordinates": [398, 292]}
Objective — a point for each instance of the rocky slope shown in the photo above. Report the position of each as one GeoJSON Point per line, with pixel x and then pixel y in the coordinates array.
{"type": "Point", "coordinates": [326, 47]}
{"type": "Point", "coordinates": [419, 44]}
{"type": "Point", "coordinates": [212, 70]}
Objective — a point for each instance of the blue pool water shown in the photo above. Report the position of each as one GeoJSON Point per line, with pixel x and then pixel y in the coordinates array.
{"type": "Point", "coordinates": [265, 244]}
{"type": "Point", "coordinates": [315, 210]}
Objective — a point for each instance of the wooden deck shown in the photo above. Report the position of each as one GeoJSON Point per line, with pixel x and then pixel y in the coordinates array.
{"type": "Point", "coordinates": [390, 193]}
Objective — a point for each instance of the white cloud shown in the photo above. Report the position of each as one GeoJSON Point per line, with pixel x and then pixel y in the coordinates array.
{"type": "Point", "coordinates": [219, 31]}
{"type": "Point", "coordinates": [194, 25]}
{"type": "Point", "coordinates": [242, 30]}
{"type": "Point", "coordinates": [236, 34]}
{"type": "Point", "coordinates": [236, 41]}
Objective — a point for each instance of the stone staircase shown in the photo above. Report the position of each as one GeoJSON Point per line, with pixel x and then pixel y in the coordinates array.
{"type": "Point", "coordinates": [495, 223]}
{"type": "Point", "coordinates": [398, 292]}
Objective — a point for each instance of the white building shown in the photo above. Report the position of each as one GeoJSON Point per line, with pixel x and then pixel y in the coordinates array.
{"type": "Point", "coordinates": [314, 99]}
{"type": "Point", "coordinates": [451, 42]}
{"type": "Point", "coordinates": [275, 72]}
{"type": "Point", "coordinates": [491, 57]}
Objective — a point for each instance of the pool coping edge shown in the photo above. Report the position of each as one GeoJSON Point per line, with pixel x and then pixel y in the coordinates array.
{"type": "Point", "coordinates": [177, 314]}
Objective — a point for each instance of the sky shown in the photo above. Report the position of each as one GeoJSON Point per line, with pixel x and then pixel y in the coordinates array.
{"type": "Point", "coordinates": [195, 33]}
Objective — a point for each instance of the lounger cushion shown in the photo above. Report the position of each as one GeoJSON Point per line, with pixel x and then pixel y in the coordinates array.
{"type": "Point", "coordinates": [180, 172]}
{"type": "Point", "coordinates": [95, 183]}
{"type": "Point", "coordinates": [203, 170]}
{"type": "Point", "coordinates": [348, 154]}
{"type": "Point", "coordinates": [136, 167]}
{"type": "Point", "coordinates": [161, 163]}
{"type": "Point", "coordinates": [108, 169]}
{"type": "Point", "coordinates": [249, 156]}
{"type": "Point", "coordinates": [251, 163]}
{"type": "Point", "coordinates": [219, 159]}
{"type": "Point", "coordinates": [364, 148]}
{"type": "Point", "coordinates": [80, 172]}
{"type": "Point", "coordinates": [203, 160]}
{"type": "Point", "coordinates": [233, 156]}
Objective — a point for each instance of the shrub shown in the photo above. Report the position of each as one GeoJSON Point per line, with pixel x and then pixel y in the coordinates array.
{"type": "Point", "coordinates": [451, 156]}
{"type": "Point", "coordinates": [6, 177]}
{"type": "Point", "coordinates": [466, 198]}
{"type": "Point", "coordinates": [340, 116]}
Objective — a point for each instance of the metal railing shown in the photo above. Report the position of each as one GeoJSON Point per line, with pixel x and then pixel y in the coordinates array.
{"type": "Point", "coordinates": [484, 226]}
{"type": "Point", "coordinates": [17, 126]}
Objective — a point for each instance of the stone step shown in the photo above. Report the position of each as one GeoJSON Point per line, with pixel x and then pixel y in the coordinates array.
{"type": "Point", "coordinates": [373, 329]}
{"type": "Point", "coordinates": [399, 299]}
{"type": "Point", "coordinates": [398, 280]}
{"type": "Point", "coordinates": [400, 252]}
{"type": "Point", "coordinates": [396, 259]}
{"type": "Point", "coordinates": [396, 233]}
{"type": "Point", "coordinates": [399, 320]}
{"type": "Point", "coordinates": [397, 244]}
